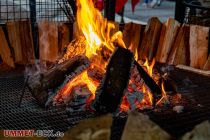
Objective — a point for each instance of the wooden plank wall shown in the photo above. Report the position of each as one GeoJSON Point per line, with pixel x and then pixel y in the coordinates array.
{"type": "Point", "coordinates": [168, 42]}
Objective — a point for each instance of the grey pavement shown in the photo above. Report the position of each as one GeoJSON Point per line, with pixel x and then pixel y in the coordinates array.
{"type": "Point", "coordinates": [141, 15]}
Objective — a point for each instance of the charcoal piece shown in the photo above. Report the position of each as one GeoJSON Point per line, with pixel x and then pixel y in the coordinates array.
{"type": "Point", "coordinates": [154, 88]}
{"type": "Point", "coordinates": [41, 83]}
{"type": "Point", "coordinates": [115, 81]}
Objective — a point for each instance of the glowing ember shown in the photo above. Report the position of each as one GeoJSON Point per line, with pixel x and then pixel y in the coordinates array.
{"type": "Point", "coordinates": [98, 37]}
{"type": "Point", "coordinates": [80, 79]}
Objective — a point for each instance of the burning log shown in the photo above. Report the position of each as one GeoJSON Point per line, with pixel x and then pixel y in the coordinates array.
{"type": "Point", "coordinates": [154, 88]}
{"type": "Point", "coordinates": [5, 52]}
{"type": "Point", "coordinates": [115, 81]}
{"type": "Point", "coordinates": [39, 84]}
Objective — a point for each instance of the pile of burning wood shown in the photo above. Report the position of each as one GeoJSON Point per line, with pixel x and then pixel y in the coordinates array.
{"type": "Point", "coordinates": [102, 71]}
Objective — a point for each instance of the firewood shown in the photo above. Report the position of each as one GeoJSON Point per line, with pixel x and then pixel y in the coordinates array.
{"type": "Point", "coordinates": [140, 127]}
{"type": "Point", "coordinates": [180, 50]}
{"type": "Point", "coordinates": [98, 128]}
{"type": "Point", "coordinates": [198, 46]}
{"type": "Point", "coordinates": [48, 40]}
{"type": "Point", "coordinates": [115, 81]}
{"type": "Point", "coordinates": [5, 52]}
{"type": "Point", "coordinates": [150, 39]}
{"type": "Point", "coordinates": [154, 88]}
{"type": "Point", "coordinates": [131, 37]}
{"type": "Point", "coordinates": [168, 33]}
{"type": "Point", "coordinates": [20, 37]}
{"type": "Point", "coordinates": [40, 83]}
{"type": "Point", "coordinates": [187, 68]}
{"type": "Point", "coordinates": [207, 65]}
{"type": "Point", "coordinates": [64, 36]}
{"type": "Point", "coordinates": [200, 132]}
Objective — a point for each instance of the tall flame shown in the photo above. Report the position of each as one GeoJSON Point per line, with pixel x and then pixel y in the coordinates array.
{"type": "Point", "coordinates": [95, 28]}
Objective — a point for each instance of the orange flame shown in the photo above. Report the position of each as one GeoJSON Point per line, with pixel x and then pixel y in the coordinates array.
{"type": "Point", "coordinates": [79, 80]}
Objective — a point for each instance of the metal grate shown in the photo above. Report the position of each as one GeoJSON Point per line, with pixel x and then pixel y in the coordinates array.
{"type": "Point", "coordinates": [30, 115]}
{"type": "Point", "coordinates": [14, 10]}
{"type": "Point", "coordinates": [50, 10]}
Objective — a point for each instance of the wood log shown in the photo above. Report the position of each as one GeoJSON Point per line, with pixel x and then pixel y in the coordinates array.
{"type": "Point", "coordinates": [198, 46]}
{"type": "Point", "coordinates": [207, 65]}
{"type": "Point", "coordinates": [40, 83]}
{"type": "Point", "coordinates": [154, 88]}
{"type": "Point", "coordinates": [98, 128]}
{"type": "Point", "coordinates": [48, 40]}
{"type": "Point", "coordinates": [198, 71]}
{"type": "Point", "coordinates": [5, 52]}
{"type": "Point", "coordinates": [201, 131]}
{"type": "Point", "coordinates": [20, 37]}
{"type": "Point", "coordinates": [150, 39]}
{"type": "Point", "coordinates": [168, 33]}
{"type": "Point", "coordinates": [140, 127]}
{"type": "Point", "coordinates": [131, 37]}
{"type": "Point", "coordinates": [180, 50]}
{"type": "Point", "coordinates": [115, 81]}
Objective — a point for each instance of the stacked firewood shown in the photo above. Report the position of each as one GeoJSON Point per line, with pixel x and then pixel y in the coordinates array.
{"type": "Point", "coordinates": [169, 42]}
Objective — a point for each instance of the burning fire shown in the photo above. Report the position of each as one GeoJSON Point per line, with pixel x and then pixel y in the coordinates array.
{"type": "Point", "coordinates": [97, 32]}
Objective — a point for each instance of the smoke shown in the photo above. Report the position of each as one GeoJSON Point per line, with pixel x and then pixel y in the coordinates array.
{"type": "Point", "coordinates": [36, 69]}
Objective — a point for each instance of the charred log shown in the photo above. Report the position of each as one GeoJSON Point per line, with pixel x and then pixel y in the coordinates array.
{"type": "Point", "coordinates": [41, 83]}
{"type": "Point", "coordinates": [115, 81]}
{"type": "Point", "coordinates": [154, 88]}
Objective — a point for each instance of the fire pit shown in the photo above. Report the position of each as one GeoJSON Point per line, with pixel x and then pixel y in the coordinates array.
{"type": "Point", "coordinates": [104, 70]}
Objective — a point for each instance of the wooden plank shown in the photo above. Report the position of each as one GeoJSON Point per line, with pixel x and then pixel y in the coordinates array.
{"type": "Point", "coordinates": [48, 40]}
{"type": "Point", "coordinates": [20, 36]}
{"type": "Point", "coordinates": [131, 37]}
{"type": "Point", "coordinates": [199, 71]}
{"type": "Point", "coordinates": [198, 46]}
{"type": "Point", "coordinates": [167, 37]}
{"type": "Point", "coordinates": [179, 53]}
{"type": "Point", "coordinates": [207, 65]}
{"type": "Point", "coordinates": [26, 42]}
{"type": "Point", "coordinates": [150, 39]}
{"type": "Point", "coordinates": [64, 36]}
{"type": "Point", "coordinates": [5, 52]}
{"type": "Point", "coordinates": [14, 38]}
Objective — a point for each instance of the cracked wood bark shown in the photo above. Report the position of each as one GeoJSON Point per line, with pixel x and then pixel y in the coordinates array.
{"type": "Point", "coordinates": [150, 39]}
{"type": "Point", "coordinates": [115, 81]}
{"type": "Point", "coordinates": [41, 83]}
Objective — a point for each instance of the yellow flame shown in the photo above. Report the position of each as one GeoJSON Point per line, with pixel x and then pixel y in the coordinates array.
{"type": "Point", "coordinates": [95, 28]}
{"type": "Point", "coordinates": [164, 95]}
{"type": "Point", "coordinates": [149, 67]}
{"type": "Point", "coordinates": [79, 80]}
